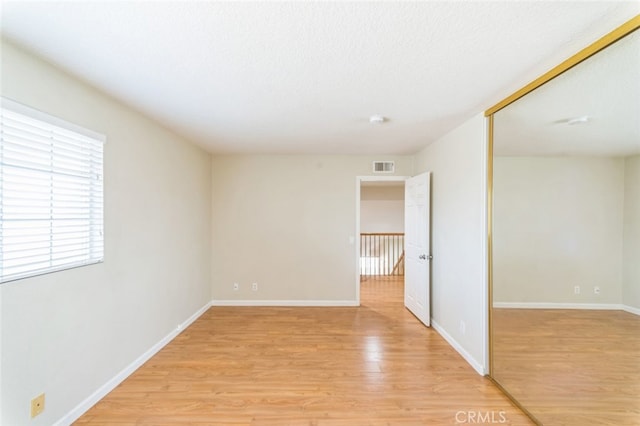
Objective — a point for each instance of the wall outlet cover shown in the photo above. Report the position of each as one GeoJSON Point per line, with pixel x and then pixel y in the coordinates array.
{"type": "Point", "coordinates": [37, 405]}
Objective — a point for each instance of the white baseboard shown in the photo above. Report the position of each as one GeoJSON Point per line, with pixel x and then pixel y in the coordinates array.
{"type": "Point", "coordinates": [593, 306]}
{"type": "Point", "coordinates": [308, 303]}
{"type": "Point", "coordinates": [631, 309]}
{"type": "Point", "coordinates": [544, 305]}
{"type": "Point", "coordinates": [103, 390]}
{"type": "Point", "coordinates": [458, 347]}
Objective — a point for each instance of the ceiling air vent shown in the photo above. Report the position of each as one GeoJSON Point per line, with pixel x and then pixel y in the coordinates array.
{"type": "Point", "coordinates": [384, 167]}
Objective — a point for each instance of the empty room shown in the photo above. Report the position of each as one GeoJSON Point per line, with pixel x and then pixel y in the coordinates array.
{"type": "Point", "coordinates": [319, 213]}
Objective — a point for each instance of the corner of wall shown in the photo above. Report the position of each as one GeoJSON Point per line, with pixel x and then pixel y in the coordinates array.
{"type": "Point", "coordinates": [458, 161]}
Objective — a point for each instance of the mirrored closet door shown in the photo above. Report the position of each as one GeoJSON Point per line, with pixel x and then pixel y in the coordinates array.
{"type": "Point", "coordinates": [565, 243]}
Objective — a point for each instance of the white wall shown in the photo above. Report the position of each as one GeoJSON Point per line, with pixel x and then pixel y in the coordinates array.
{"type": "Point", "coordinates": [558, 224]}
{"type": "Point", "coordinates": [285, 223]}
{"type": "Point", "coordinates": [631, 272]}
{"type": "Point", "coordinates": [458, 237]}
{"type": "Point", "coordinates": [382, 209]}
{"type": "Point", "coordinates": [68, 333]}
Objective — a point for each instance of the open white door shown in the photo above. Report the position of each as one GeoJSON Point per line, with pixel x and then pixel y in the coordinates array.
{"type": "Point", "coordinates": [417, 251]}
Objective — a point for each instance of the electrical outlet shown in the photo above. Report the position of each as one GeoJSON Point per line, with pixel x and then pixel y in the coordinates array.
{"type": "Point", "coordinates": [236, 286]}
{"type": "Point", "coordinates": [463, 327]}
{"type": "Point", "coordinates": [254, 286]}
{"type": "Point", "coordinates": [37, 405]}
{"type": "Point", "coordinates": [576, 290]}
{"type": "Point", "coordinates": [596, 290]}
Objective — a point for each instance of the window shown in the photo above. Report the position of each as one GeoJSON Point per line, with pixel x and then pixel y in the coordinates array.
{"type": "Point", "coordinates": [51, 203]}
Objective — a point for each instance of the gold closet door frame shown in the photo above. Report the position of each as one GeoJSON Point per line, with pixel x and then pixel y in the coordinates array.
{"type": "Point", "coordinates": [595, 47]}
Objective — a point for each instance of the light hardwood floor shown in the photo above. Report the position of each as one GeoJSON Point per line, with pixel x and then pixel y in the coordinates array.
{"type": "Point", "coordinates": [372, 365]}
{"type": "Point", "coordinates": [570, 367]}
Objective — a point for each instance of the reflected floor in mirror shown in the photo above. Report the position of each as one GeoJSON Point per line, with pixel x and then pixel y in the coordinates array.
{"type": "Point", "coordinates": [570, 367]}
{"type": "Point", "coordinates": [369, 365]}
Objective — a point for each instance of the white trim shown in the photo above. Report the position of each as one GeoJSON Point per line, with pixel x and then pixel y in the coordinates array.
{"type": "Point", "coordinates": [356, 238]}
{"type": "Point", "coordinates": [458, 347]}
{"type": "Point", "coordinates": [36, 114]}
{"type": "Point", "coordinates": [381, 179]}
{"type": "Point", "coordinates": [484, 189]}
{"type": "Point", "coordinates": [544, 305]}
{"type": "Point", "coordinates": [103, 390]}
{"type": "Point", "coordinates": [589, 306]}
{"type": "Point", "coordinates": [308, 303]}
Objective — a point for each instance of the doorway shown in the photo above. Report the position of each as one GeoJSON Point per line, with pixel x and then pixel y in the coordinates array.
{"type": "Point", "coordinates": [379, 237]}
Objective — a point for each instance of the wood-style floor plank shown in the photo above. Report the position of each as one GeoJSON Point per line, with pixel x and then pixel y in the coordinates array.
{"type": "Point", "coordinates": [570, 367]}
{"type": "Point", "coordinates": [371, 365]}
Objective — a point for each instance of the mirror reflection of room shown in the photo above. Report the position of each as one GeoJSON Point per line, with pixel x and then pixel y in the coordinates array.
{"type": "Point", "coordinates": [566, 243]}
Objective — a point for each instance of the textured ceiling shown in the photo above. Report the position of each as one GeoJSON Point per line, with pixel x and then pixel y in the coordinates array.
{"type": "Point", "coordinates": [303, 77]}
{"type": "Point", "coordinates": [605, 88]}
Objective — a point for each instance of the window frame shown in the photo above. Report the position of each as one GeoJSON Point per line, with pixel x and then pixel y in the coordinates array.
{"type": "Point", "coordinates": [95, 243]}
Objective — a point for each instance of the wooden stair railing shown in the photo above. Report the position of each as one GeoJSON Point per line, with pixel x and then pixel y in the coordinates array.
{"type": "Point", "coordinates": [381, 254]}
{"type": "Point", "coordinates": [397, 265]}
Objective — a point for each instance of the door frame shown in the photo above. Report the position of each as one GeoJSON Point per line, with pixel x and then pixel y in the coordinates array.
{"type": "Point", "coordinates": [356, 238]}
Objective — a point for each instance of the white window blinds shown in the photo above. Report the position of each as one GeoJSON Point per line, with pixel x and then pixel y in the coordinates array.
{"type": "Point", "coordinates": [51, 197]}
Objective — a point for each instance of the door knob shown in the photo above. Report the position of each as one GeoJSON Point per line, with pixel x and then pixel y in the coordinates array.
{"type": "Point", "coordinates": [422, 256]}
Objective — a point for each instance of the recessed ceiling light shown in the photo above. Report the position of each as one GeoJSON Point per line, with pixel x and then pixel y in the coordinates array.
{"type": "Point", "coordinates": [578, 120]}
{"type": "Point", "coordinates": [377, 119]}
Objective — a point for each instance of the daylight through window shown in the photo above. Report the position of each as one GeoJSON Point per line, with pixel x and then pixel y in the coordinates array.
{"type": "Point", "coordinates": [51, 193]}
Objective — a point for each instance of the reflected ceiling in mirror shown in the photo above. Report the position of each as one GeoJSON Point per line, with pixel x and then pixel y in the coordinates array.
{"type": "Point", "coordinates": [592, 109]}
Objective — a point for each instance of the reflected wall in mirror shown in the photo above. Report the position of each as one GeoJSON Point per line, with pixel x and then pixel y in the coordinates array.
{"type": "Point", "coordinates": [566, 243]}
